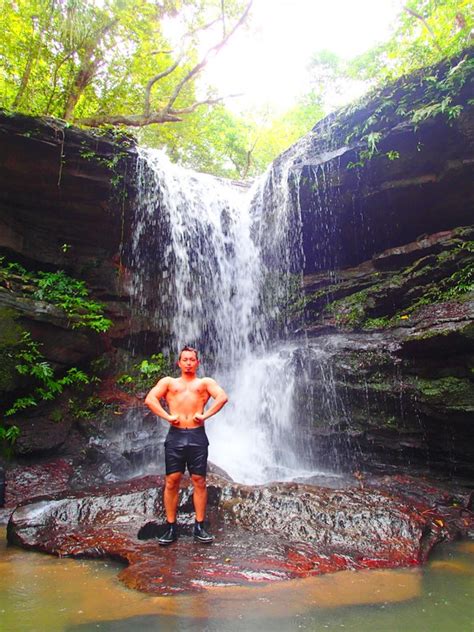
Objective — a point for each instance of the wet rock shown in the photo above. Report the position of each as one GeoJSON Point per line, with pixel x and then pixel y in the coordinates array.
{"type": "Point", "coordinates": [41, 436]}
{"type": "Point", "coordinates": [66, 202]}
{"type": "Point", "coordinates": [366, 400]}
{"type": "Point", "coordinates": [415, 182]}
{"type": "Point", "coordinates": [69, 197]}
{"type": "Point", "coordinates": [263, 534]}
{"type": "Point", "coordinates": [2, 487]}
{"type": "Point", "coordinates": [388, 366]}
{"type": "Point", "coordinates": [405, 255]}
{"type": "Point", "coordinates": [23, 482]}
{"type": "Point", "coordinates": [389, 297]}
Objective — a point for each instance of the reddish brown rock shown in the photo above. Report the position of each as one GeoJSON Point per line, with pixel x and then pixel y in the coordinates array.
{"type": "Point", "coordinates": [263, 534]}
{"type": "Point", "coordinates": [28, 481]}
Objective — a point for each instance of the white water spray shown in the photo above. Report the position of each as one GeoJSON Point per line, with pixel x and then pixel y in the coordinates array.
{"type": "Point", "coordinates": [216, 264]}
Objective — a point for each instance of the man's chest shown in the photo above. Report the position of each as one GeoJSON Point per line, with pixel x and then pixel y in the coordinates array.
{"type": "Point", "coordinates": [195, 390]}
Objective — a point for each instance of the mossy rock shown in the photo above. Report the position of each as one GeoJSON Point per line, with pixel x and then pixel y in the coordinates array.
{"type": "Point", "coordinates": [447, 393]}
{"type": "Point", "coordinates": [10, 340]}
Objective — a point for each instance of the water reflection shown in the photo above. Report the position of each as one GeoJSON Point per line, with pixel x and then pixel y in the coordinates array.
{"type": "Point", "coordinates": [39, 593]}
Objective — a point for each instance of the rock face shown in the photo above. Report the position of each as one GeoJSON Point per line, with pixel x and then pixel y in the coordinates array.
{"type": "Point", "coordinates": [385, 194]}
{"type": "Point", "coordinates": [64, 204]}
{"type": "Point", "coordinates": [263, 534]}
{"type": "Point", "coordinates": [382, 173]}
{"type": "Point", "coordinates": [58, 187]}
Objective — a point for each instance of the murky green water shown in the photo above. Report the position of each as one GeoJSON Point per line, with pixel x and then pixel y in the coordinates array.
{"type": "Point", "coordinates": [39, 593]}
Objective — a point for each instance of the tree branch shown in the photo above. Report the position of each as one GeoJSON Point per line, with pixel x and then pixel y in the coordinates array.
{"type": "Point", "coordinates": [214, 49]}
{"type": "Point", "coordinates": [204, 27]}
{"type": "Point", "coordinates": [161, 52]}
{"type": "Point", "coordinates": [141, 120]}
{"type": "Point", "coordinates": [168, 114]}
{"type": "Point", "coordinates": [194, 106]}
{"type": "Point", "coordinates": [418, 16]}
{"type": "Point", "coordinates": [153, 80]}
{"type": "Point", "coordinates": [223, 17]}
{"type": "Point", "coordinates": [131, 120]}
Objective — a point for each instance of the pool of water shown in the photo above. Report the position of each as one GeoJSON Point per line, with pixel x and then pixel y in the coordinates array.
{"type": "Point", "coordinates": [43, 593]}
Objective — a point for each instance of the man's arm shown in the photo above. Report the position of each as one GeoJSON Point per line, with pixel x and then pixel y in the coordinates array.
{"type": "Point", "coordinates": [152, 400]}
{"type": "Point", "coordinates": [220, 400]}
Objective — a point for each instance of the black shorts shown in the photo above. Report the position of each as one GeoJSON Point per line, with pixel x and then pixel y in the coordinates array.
{"type": "Point", "coordinates": [186, 447]}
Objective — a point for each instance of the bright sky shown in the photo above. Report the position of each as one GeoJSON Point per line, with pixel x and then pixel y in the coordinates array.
{"type": "Point", "coordinates": [268, 61]}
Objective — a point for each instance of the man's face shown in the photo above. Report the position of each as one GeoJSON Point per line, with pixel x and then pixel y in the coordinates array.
{"type": "Point", "coordinates": [188, 362]}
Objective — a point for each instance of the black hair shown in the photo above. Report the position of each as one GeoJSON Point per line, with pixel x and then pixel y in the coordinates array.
{"type": "Point", "coordinates": [188, 348]}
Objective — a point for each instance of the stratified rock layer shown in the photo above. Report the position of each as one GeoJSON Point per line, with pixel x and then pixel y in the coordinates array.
{"type": "Point", "coordinates": [386, 202]}
{"type": "Point", "coordinates": [390, 358]}
{"type": "Point", "coordinates": [263, 534]}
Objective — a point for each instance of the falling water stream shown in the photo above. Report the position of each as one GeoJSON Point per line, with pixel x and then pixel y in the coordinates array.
{"type": "Point", "coordinates": [216, 264]}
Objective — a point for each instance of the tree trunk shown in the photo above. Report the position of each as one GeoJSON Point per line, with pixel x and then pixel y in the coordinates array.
{"type": "Point", "coordinates": [32, 56]}
{"type": "Point", "coordinates": [25, 78]}
{"type": "Point", "coordinates": [90, 61]}
{"type": "Point", "coordinates": [82, 79]}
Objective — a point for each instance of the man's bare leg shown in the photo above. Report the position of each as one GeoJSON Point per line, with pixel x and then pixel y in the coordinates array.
{"type": "Point", "coordinates": [171, 495]}
{"type": "Point", "coordinates": [199, 496]}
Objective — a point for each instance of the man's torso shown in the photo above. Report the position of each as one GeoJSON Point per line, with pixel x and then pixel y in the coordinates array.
{"type": "Point", "coordinates": [185, 399]}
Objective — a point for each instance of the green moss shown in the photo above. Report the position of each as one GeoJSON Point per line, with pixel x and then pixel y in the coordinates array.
{"type": "Point", "coordinates": [450, 392]}
{"type": "Point", "coordinates": [455, 286]}
{"type": "Point", "coordinates": [56, 415]}
{"type": "Point", "coordinates": [10, 341]}
{"type": "Point", "coordinates": [350, 312]}
{"type": "Point", "coordinates": [377, 323]}
{"type": "Point", "coordinates": [466, 330]}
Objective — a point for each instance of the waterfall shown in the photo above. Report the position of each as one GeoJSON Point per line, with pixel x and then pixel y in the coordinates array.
{"type": "Point", "coordinates": [217, 266]}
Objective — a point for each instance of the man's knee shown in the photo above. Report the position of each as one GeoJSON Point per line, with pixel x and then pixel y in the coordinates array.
{"type": "Point", "coordinates": [199, 481]}
{"type": "Point", "coordinates": [172, 481]}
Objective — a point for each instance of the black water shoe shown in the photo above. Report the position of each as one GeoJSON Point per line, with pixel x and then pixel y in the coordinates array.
{"type": "Point", "coordinates": [170, 535]}
{"type": "Point", "coordinates": [201, 535]}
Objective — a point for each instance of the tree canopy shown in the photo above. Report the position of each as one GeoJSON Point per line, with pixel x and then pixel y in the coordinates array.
{"type": "Point", "coordinates": [126, 62]}
{"type": "Point", "coordinates": [110, 61]}
{"type": "Point", "coordinates": [425, 32]}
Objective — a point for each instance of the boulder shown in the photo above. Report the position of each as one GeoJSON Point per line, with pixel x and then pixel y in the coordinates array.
{"type": "Point", "coordinates": [263, 534]}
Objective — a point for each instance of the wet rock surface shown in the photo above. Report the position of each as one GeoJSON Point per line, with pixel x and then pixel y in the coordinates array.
{"type": "Point", "coordinates": [389, 358]}
{"type": "Point", "coordinates": [389, 289]}
{"type": "Point", "coordinates": [27, 481]}
{"type": "Point", "coordinates": [263, 534]}
{"type": "Point", "coordinates": [415, 182]}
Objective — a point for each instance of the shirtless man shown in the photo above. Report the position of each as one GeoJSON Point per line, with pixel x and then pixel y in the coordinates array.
{"type": "Point", "coordinates": [186, 442]}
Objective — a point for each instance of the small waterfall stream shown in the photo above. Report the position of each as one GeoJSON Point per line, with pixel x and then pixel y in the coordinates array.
{"type": "Point", "coordinates": [216, 266]}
